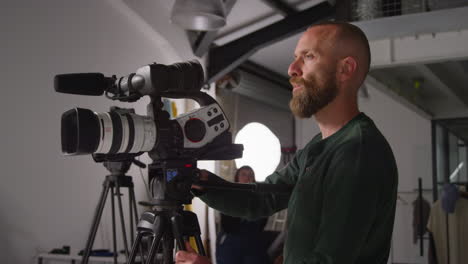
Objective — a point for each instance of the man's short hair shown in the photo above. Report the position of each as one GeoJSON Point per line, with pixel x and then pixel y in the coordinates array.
{"type": "Point", "coordinates": [347, 30]}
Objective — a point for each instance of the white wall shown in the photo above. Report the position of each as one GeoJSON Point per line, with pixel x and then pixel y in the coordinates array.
{"type": "Point", "coordinates": [47, 200]}
{"type": "Point", "coordinates": [409, 135]}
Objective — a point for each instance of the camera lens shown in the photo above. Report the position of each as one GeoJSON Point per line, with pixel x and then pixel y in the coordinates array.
{"type": "Point", "coordinates": [80, 131]}
{"type": "Point", "coordinates": [87, 132]}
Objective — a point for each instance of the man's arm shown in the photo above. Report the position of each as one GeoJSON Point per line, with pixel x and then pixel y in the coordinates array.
{"type": "Point", "coordinates": [253, 205]}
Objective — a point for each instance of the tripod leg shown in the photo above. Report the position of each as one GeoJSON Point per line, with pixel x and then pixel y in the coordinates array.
{"type": "Point", "coordinates": [151, 224]}
{"type": "Point", "coordinates": [114, 233]}
{"type": "Point", "coordinates": [133, 206]}
{"type": "Point", "coordinates": [133, 203]}
{"type": "Point", "coordinates": [136, 245]}
{"type": "Point", "coordinates": [142, 252]}
{"type": "Point", "coordinates": [122, 220]}
{"type": "Point", "coordinates": [96, 220]}
{"type": "Point", "coordinates": [191, 228]}
{"type": "Point", "coordinates": [201, 249]}
{"type": "Point", "coordinates": [154, 248]}
{"type": "Point", "coordinates": [168, 248]}
{"type": "Point", "coordinates": [130, 215]}
{"type": "Point", "coordinates": [176, 221]}
{"type": "Point", "coordinates": [135, 209]}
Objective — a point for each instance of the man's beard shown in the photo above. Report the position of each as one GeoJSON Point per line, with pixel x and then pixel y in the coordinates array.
{"type": "Point", "coordinates": [313, 96]}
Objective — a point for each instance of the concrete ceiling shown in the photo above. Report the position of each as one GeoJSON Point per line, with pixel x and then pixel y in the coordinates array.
{"type": "Point", "coordinates": [436, 87]}
{"type": "Point", "coordinates": [431, 87]}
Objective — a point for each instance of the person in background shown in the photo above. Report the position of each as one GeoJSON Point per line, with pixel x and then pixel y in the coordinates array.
{"type": "Point", "coordinates": [240, 240]}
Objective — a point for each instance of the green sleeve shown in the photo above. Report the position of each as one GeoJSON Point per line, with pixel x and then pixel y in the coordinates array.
{"type": "Point", "coordinates": [351, 194]}
{"type": "Point", "coordinates": [252, 205]}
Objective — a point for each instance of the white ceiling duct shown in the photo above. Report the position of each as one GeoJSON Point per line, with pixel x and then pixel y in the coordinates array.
{"type": "Point", "coordinates": [200, 15]}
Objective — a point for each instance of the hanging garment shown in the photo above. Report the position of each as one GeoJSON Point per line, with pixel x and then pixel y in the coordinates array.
{"type": "Point", "coordinates": [420, 205]}
{"type": "Point", "coordinates": [449, 197]}
{"type": "Point", "coordinates": [457, 234]}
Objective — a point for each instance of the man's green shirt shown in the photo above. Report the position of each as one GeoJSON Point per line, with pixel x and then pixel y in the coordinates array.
{"type": "Point", "coordinates": [342, 207]}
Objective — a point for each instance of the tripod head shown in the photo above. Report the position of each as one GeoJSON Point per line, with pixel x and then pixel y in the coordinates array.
{"type": "Point", "coordinates": [120, 168]}
{"type": "Point", "coordinates": [170, 182]}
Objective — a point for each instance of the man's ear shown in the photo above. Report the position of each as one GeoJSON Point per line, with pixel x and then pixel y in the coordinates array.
{"type": "Point", "coordinates": [347, 68]}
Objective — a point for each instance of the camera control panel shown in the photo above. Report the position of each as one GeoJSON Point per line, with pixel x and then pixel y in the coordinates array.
{"type": "Point", "coordinates": [202, 125]}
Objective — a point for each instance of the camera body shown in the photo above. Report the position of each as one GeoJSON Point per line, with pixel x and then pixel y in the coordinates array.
{"type": "Point", "coordinates": [120, 135]}
{"type": "Point", "coordinates": [120, 132]}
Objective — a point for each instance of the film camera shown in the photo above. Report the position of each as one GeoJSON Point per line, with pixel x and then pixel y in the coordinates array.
{"type": "Point", "coordinates": [202, 134]}
{"type": "Point", "coordinates": [174, 145]}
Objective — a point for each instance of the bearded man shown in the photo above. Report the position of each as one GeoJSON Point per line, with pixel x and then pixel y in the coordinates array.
{"type": "Point", "coordinates": [342, 207]}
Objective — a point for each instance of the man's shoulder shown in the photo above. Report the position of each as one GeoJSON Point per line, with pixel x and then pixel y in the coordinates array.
{"type": "Point", "coordinates": [360, 135]}
{"type": "Point", "coordinates": [366, 133]}
{"type": "Point", "coordinates": [364, 137]}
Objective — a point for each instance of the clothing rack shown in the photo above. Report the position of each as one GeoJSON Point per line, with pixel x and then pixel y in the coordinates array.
{"type": "Point", "coordinates": [421, 228]}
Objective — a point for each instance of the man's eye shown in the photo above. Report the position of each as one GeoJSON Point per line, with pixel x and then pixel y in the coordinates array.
{"type": "Point", "coordinates": [309, 56]}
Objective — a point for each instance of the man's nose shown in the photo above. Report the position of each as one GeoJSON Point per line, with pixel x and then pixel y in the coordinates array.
{"type": "Point", "coordinates": [294, 69]}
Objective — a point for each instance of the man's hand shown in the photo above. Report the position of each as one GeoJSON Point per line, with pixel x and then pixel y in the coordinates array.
{"type": "Point", "coordinates": [203, 176]}
{"type": "Point", "coordinates": [190, 256]}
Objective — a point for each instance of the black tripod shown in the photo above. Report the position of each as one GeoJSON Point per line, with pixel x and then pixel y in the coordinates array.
{"type": "Point", "coordinates": [167, 221]}
{"type": "Point", "coordinates": [113, 183]}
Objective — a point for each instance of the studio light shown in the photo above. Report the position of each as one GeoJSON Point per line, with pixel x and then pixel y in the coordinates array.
{"type": "Point", "coordinates": [200, 15]}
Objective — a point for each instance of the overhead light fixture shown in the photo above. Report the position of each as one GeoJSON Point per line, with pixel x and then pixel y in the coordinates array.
{"type": "Point", "coordinates": [200, 15]}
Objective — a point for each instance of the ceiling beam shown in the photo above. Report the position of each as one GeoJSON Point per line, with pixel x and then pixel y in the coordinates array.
{"type": "Point", "coordinates": [281, 7]}
{"type": "Point", "coordinates": [453, 74]}
{"type": "Point", "coordinates": [225, 58]}
{"type": "Point", "coordinates": [420, 49]}
{"type": "Point", "coordinates": [431, 77]}
{"type": "Point", "coordinates": [266, 74]}
{"type": "Point", "coordinates": [259, 22]}
{"type": "Point", "coordinates": [445, 20]}
{"type": "Point", "coordinates": [424, 113]}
